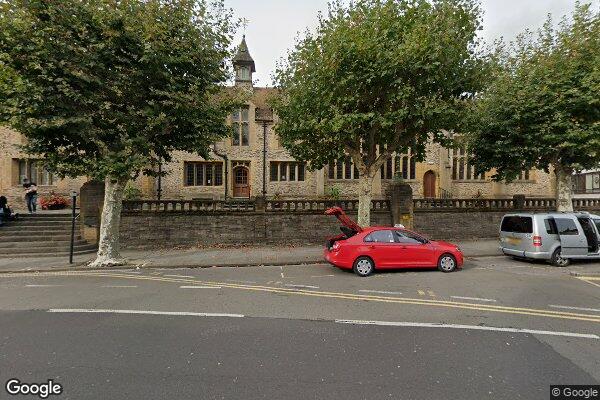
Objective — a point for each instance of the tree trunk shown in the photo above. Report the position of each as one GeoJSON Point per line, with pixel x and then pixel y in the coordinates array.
{"type": "Point", "coordinates": [108, 246]}
{"type": "Point", "coordinates": [364, 199]}
{"type": "Point", "coordinates": [564, 202]}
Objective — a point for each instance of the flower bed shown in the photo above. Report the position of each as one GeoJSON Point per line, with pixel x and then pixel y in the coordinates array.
{"type": "Point", "coordinates": [54, 202]}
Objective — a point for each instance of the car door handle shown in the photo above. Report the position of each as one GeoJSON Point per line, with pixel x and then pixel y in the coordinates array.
{"type": "Point", "coordinates": [371, 247]}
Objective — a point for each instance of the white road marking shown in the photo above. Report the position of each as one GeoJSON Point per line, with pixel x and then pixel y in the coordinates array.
{"type": "Point", "coordinates": [472, 298]}
{"type": "Point", "coordinates": [590, 282]}
{"type": "Point", "coordinates": [576, 308]}
{"type": "Point", "coordinates": [233, 280]}
{"type": "Point", "coordinates": [199, 287]}
{"type": "Point", "coordinates": [179, 276]}
{"type": "Point", "coordinates": [119, 286]}
{"type": "Point", "coordinates": [301, 286]}
{"type": "Point", "coordinates": [379, 291]}
{"type": "Point", "coordinates": [472, 327]}
{"type": "Point", "coordinates": [43, 285]}
{"type": "Point", "coordinates": [178, 313]}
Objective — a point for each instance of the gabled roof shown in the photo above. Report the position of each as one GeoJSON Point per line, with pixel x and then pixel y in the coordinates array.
{"type": "Point", "coordinates": [243, 57]}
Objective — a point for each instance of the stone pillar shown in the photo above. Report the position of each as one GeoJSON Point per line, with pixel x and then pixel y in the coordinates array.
{"type": "Point", "coordinates": [320, 182]}
{"type": "Point", "coordinates": [91, 199]}
{"type": "Point", "coordinates": [260, 204]}
{"type": "Point", "coordinates": [518, 201]}
{"type": "Point", "coordinates": [401, 204]}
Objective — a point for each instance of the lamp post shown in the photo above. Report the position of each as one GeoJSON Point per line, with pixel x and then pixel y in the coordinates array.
{"type": "Point", "coordinates": [74, 202]}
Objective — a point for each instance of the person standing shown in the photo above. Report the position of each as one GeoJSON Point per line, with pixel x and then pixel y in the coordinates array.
{"type": "Point", "coordinates": [30, 195]}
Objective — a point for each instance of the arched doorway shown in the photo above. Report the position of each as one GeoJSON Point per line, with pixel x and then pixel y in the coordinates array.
{"type": "Point", "coordinates": [429, 184]}
{"type": "Point", "coordinates": [241, 188]}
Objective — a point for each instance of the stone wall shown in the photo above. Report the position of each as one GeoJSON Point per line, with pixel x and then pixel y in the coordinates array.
{"type": "Point", "coordinates": [458, 225]}
{"type": "Point", "coordinates": [172, 229]}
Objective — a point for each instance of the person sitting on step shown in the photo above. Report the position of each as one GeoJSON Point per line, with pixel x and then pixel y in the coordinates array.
{"type": "Point", "coordinates": [6, 213]}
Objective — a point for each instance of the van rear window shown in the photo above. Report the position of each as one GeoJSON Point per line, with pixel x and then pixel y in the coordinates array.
{"type": "Point", "coordinates": [517, 224]}
{"type": "Point", "coordinates": [550, 226]}
{"type": "Point", "coordinates": [566, 226]}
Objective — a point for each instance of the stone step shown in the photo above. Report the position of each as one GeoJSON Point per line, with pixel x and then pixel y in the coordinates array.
{"type": "Point", "coordinates": [57, 254]}
{"type": "Point", "coordinates": [44, 227]}
{"type": "Point", "coordinates": [39, 245]}
{"type": "Point", "coordinates": [39, 238]}
{"type": "Point", "coordinates": [49, 224]}
{"type": "Point", "coordinates": [35, 232]}
{"type": "Point", "coordinates": [44, 251]}
{"type": "Point", "coordinates": [35, 217]}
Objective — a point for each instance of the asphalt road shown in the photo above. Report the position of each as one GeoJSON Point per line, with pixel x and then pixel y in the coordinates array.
{"type": "Point", "coordinates": [284, 332]}
{"type": "Point", "coordinates": [106, 356]}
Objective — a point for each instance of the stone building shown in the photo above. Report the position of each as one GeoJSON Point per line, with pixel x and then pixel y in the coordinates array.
{"type": "Point", "coordinates": [253, 163]}
{"type": "Point", "coordinates": [16, 165]}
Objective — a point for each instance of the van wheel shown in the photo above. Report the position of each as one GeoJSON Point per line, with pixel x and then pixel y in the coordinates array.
{"type": "Point", "coordinates": [557, 260]}
{"type": "Point", "coordinates": [447, 263]}
{"type": "Point", "coordinates": [363, 266]}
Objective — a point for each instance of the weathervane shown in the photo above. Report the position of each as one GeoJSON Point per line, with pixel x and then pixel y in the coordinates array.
{"type": "Point", "coordinates": [245, 22]}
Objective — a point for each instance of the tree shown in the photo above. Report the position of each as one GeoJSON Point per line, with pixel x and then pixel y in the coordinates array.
{"type": "Point", "coordinates": [378, 77]}
{"type": "Point", "coordinates": [107, 88]}
{"type": "Point", "coordinates": [542, 107]}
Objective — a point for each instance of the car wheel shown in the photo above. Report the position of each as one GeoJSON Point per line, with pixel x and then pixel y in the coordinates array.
{"type": "Point", "coordinates": [557, 260]}
{"type": "Point", "coordinates": [447, 263]}
{"type": "Point", "coordinates": [363, 266]}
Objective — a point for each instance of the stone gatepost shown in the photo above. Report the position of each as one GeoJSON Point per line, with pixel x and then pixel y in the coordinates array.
{"type": "Point", "coordinates": [519, 201]}
{"type": "Point", "coordinates": [401, 204]}
{"type": "Point", "coordinates": [91, 199]}
{"type": "Point", "coordinates": [260, 204]}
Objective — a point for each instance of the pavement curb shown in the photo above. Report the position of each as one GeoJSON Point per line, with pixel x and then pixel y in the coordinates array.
{"type": "Point", "coordinates": [80, 267]}
{"type": "Point", "coordinates": [139, 264]}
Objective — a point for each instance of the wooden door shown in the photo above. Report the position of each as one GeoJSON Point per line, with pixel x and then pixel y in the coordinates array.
{"type": "Point", "coordinates": [241, 188]}
{"type": "Point", "coordinates": [429, 184]}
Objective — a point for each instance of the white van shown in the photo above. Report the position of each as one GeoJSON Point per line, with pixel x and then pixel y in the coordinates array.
{"type": "Point", "coordinates": [556, 237]}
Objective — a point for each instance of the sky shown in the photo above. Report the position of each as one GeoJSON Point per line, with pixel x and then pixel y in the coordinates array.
{"type": "Point", "coordinates": [274, 24]}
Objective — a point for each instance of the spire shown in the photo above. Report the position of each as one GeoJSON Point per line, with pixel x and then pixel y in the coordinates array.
{"type": "Point", "coordinates": [243, 57]}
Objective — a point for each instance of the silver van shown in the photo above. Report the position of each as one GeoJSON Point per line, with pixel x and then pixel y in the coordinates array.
{"type": "Point", "coordinates": [557, 237]}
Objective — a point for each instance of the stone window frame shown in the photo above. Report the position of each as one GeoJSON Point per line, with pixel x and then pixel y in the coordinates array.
{"type": "Point", "coordinates": [243, 73]}
{"type": "Point", "coordinates": [526, 176]}
{"type": "Point", "coordinates": [200, 172]}
{"type": "Point", "coordinates": [277, 167]}
{"type": "Point", "coordinates": [240, 122]}
{"type": "Point", "coordinates": [403, 164]}
{"type": "Point", "coordinates": [343, 169]}
{"type": "Point", "coordinates": [461, 169]}
{"type": "Point", "coordinates": [33, 169]}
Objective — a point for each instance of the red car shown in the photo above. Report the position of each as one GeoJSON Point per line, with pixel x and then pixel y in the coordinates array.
{"type": "Point", "coordinates": [382, 247]}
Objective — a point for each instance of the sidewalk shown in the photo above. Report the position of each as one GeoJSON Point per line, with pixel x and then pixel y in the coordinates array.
{"type": "Point", "coordinates": [212, 257]}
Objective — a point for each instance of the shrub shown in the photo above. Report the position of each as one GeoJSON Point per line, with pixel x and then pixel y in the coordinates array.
{"type": "Point", "coordinates": [132, 192]}
{"type": "Point", "coordinates": [335, 192]}
{"type": "Point", "coordinates": [54, 202]}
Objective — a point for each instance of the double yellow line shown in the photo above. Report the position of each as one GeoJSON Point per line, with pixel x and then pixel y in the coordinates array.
{"type": "Point", "coordinates": [349, 296]}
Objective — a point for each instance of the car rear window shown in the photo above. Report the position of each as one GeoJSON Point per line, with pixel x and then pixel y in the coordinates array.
{"type": "Point", "coordinates": [597, 222]}
{"type": "Point", "coordinates": [513, 223]}
{"type": "Point", "coordinates": [383, 236]}
{"type": "Point", "coordinates": [566, 226]}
